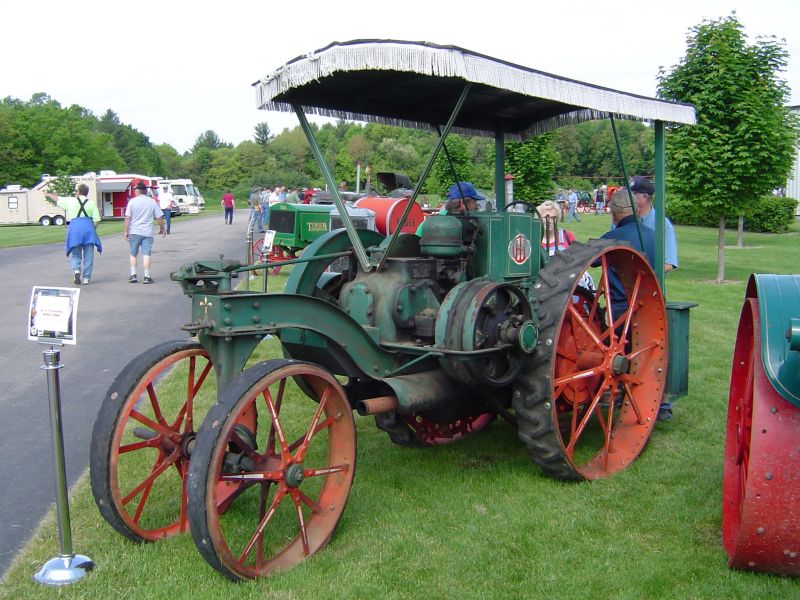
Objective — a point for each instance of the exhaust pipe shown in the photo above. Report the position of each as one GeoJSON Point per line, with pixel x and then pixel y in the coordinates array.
{"type": "Point", "coordinates": [374, 406]}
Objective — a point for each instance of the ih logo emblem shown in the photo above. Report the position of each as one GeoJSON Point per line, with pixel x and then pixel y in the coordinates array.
{"type": "Point", "coordinates": [519, 249]}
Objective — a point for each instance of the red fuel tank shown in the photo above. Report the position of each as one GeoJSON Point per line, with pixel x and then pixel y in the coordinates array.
{"type": "Point", "coordinates": [388, 212]}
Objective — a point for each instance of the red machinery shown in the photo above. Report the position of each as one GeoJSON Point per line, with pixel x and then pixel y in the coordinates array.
{"type": "Point", "coordinates": [761, 485]}
{"type": "Point", "coordinates": [388, 212]}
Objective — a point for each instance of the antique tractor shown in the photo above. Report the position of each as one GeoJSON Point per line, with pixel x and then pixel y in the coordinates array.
{"type": "Point", "coordinates": [433, 335]}
{"type": "Point", "coordinates": [761, 485]}
{"type": "Point", "coordinates": [295, 226]}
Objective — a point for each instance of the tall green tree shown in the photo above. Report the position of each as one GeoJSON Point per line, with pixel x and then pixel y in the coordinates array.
{"type": "Point", "coordinates": [744, 142]}
{"type": "Point", "coordinates": [533, 164]}
{"type": "Point", "coordinates": [262, 134]}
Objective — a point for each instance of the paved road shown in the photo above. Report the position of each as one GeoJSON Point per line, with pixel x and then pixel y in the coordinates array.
{"type": "Point", "coordinates": [116, 321]}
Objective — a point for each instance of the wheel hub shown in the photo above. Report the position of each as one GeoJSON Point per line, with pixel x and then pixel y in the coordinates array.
{"type": "Point", "coordinates": [620, 365]}
{"type": "Point", "coordinates": [294, 475]}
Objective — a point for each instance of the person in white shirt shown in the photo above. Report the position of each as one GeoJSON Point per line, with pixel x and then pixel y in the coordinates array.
{"type": "Point", "coordinates": [166, 201]}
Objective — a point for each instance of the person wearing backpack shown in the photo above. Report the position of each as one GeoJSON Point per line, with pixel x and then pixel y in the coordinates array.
{"type": "Point", "coordinates": [82, 217]}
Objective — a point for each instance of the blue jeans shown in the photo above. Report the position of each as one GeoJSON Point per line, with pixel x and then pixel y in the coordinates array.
{"type": "Point", "coordinates": [83, 254]}
{"type": "Point", "coordinates": [167, 218]}
{"type": "Point", "coordinates": [572, 214]}
{"type": "Point", "coordinates": [264, 216]}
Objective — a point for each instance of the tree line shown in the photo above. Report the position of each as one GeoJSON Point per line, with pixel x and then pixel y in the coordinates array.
{"type": "Point", "coordinates": [40, 136]}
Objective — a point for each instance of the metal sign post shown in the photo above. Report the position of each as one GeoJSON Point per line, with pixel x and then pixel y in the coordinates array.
{"type": "Point", "coordinates": [53, 321]}
{"type": "Point", "coordinates": [67, 567]}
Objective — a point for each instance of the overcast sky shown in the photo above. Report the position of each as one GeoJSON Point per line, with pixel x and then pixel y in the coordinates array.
{"type": "Point", "coordinates": [173, 69]}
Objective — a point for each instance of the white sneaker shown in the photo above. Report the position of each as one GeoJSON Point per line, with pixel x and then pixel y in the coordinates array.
{"type": "Point", "coordinates": [85, 281]}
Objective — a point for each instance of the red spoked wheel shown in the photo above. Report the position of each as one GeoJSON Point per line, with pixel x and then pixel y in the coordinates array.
{"type": "Point", "coordinates": [761, 482]}
{"type": "Point", "coordinates": [144, 435]}
{"type": "Point", "coordinates": [277, 253]}
{"type": "Point", "coordinates": [587, 401]}
{"type": "Point", "coordinates": [286, 461]}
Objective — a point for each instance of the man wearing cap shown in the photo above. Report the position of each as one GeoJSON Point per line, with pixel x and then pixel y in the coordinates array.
{"type": "Point", "coordinates": [643, 191]}
{"type": "Point", "coordinates": [462, 197]}
{"type": "Point", "coordinates": [139, 216]}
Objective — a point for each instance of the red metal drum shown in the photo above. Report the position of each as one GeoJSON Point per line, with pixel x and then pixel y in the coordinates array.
{"type": "Point", "coordinates": [388, 212]}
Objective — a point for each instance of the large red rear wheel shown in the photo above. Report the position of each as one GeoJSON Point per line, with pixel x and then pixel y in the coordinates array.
{"type": "Point", "coordinates": [285, 462]}
{"type": "Point", "coordinates": [761, 484]}
{"type": "Point", "coordinates": [587, 401]}
{"type": "Point", "coordinates": [143, 437]}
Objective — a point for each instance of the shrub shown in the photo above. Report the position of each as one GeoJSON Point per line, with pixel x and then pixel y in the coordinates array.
{"type": "Point", "coordinates": [767, 215]}
{"type": "Point", "coordinates": [771, 215]}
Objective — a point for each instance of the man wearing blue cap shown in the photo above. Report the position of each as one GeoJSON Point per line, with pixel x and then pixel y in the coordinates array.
{"type": "Point", "coordinates": [462, 197]}
{"type": "Point", "coordinates": [643, 191]}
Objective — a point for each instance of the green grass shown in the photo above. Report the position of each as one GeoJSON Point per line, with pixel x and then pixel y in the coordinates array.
{"type": "Point", "coordinates": [476, 519]}
{"type": "Point", "coordinates": [12, 236]}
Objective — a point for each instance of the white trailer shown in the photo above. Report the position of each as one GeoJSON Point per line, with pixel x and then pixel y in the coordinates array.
{"type": "Point", "coordinates": [19, 206]}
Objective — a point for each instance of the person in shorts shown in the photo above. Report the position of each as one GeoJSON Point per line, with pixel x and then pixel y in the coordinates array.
{"type": "Point", "coordinates": [140, 213]}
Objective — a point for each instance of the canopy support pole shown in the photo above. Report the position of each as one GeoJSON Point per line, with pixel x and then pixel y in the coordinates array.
{"type": "Point", "coordinates": [425, 173]}
{"type": "Point", "coordinates": [358, 247]}
{"type": "Point", "coordinates": [499, 169]}
{"type": "Point", "coordinates": [660, 201]}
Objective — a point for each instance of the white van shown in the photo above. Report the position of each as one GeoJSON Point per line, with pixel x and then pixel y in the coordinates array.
{"type": "Point", "coordinates": [187, 196]}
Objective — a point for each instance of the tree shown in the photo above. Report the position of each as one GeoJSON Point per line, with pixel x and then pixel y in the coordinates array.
{"type": "Point", "coordinates": [262, 134]}
{"type": "Point", "coordinates": [533, 164]}
{"type": "Point", "coordinates": [442, 176]}
{"type": "Point", "coordinates": [208, 139]}
{"type": "Point", "coordinates": [743, 144]}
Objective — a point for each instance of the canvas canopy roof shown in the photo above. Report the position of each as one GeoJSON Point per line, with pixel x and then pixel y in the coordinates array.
{"type": "Point", "coordinates": [416, 84]}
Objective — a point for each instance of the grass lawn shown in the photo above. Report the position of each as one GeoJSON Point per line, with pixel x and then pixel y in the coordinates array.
{"type": "Point", "coordinates": [30, 235]}
{"type": "Point", "coordinates": [476, 519]}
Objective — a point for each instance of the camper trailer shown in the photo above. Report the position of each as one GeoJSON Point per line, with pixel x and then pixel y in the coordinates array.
{"type": "Point", "coordinates": [187, 196]}
{"type": "Point", "coordinates": [19, 206]}
{"type": "Point", "coordinates": [23, 206]}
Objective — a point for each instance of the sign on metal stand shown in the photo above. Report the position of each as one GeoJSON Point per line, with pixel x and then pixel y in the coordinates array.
{"type": "Point", "coordinates": [52, 321]}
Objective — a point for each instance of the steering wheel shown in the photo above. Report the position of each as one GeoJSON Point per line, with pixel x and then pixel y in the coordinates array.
{"type": "Point", "coordinates": [529, 205]}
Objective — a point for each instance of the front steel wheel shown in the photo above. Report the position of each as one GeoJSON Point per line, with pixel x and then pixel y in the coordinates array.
{"type": "Point", "coordinates": [587, 401]}
{"type": "Point", "coordinates": [143, 437]}
{"type": "Point", "coordinates": [285, 463]}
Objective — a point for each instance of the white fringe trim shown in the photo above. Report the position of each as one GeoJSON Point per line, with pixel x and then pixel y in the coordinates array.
{"type": "Point", "coordinates": [594, 102]}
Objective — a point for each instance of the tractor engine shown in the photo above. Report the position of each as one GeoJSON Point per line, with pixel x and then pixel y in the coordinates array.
{"type": "Point", "coordinates": [441, 290]}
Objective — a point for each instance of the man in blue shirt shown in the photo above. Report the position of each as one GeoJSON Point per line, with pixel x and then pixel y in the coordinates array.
{"type": "Point", "coordinates": [643, 191]}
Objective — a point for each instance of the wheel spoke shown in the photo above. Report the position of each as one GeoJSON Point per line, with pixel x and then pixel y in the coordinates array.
{"type": "Point", "coordinates": [154, 443]}
{"type": "Point", "coordinates": [151, 393]}
{"type": "Point", "coordinates": [259, 533]}
{"type": "Point", "coordinates": [632, 307]}
{"type": "Point", "coordinates": [607, 291]}
{"type": "Point", "coordinates": [301, 452]}
{"type": "Point", "coordinates": [634, 404]}
{"type": "Point", "coordinates": [325, 471]}
{"type": "Point", "coordinates": [637, 353]}
{"type": "Point", "coordinates": [584, 325]}
{"type": "Point", "coordinates": [193, 388]}
{"type": "Point", "coordinates": [270, 450]}
{"type": "Point", "coordinates": [163, 430]}
{"type": "Point", "coordinates": [298, 505]}
{"type": "Point", "coordinates": [158, 469]}
{"type": "Point", "coordinates": [570, 449]}
{"type": "Point", "coordinates": [276, 424]}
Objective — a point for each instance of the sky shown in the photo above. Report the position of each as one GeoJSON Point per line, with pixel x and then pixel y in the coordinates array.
{"type": "Point", "coordinates": [174, 69]}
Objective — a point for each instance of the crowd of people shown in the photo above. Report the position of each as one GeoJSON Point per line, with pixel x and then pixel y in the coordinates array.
{"type": "Point", "coordinates": [262, 198]}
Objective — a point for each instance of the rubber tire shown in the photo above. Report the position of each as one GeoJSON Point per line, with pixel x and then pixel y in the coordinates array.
{"type": "Point", "coordinates": [58, 220]}
{"type": "Point", "coordinates": [107, 421]}
{"type": "Point", "coordinates": [45, 221]}
{"type": "Point", "coordinates": [531, 399]}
